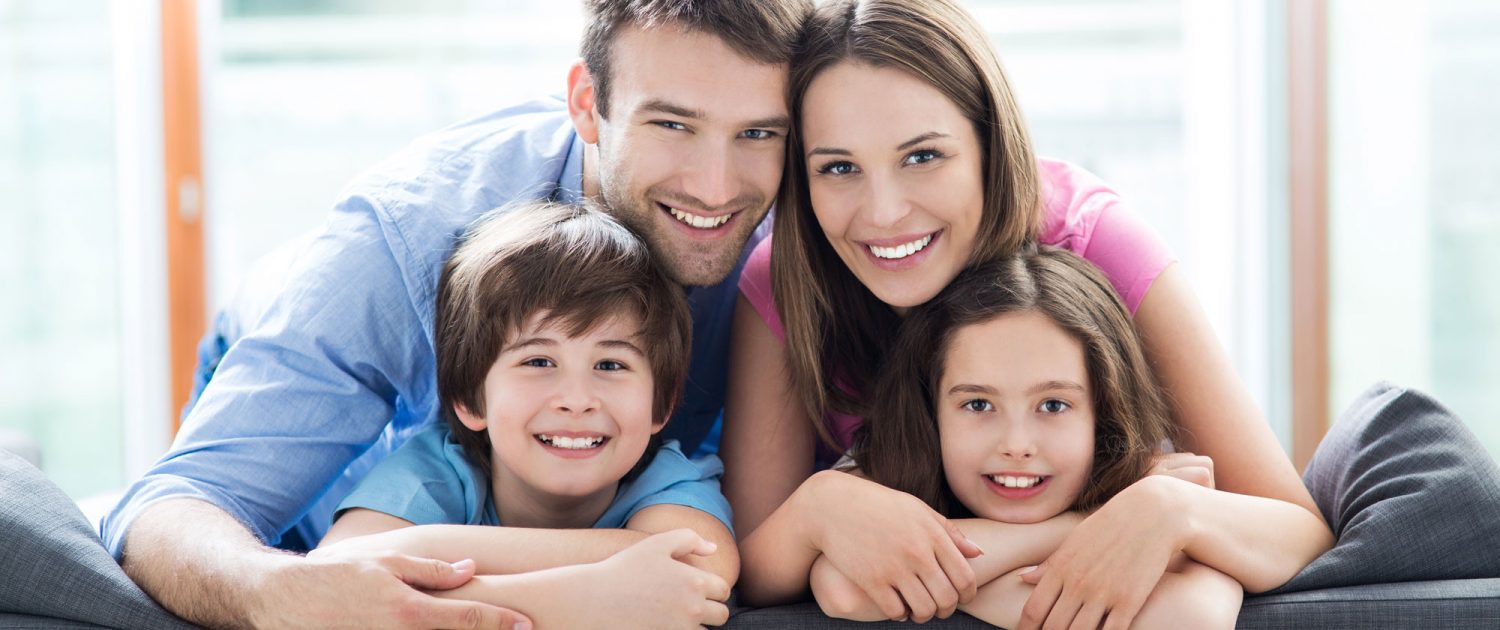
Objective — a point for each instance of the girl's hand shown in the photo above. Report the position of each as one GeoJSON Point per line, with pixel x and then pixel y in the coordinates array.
{"type": "Point", "coordinates": [1110, 563]}
{"type": "Point", "coordinates": [1198, 469]}
{"type": "Point", "coordinates": [905, 556]}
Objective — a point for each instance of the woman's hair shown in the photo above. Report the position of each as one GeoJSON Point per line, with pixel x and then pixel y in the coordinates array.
{"type": "Point", "coordinates": [833, 323]}
{"type": "Point", "coordinates": [898, 445]}
{"type": "Point", "coordinates": [576, 264]}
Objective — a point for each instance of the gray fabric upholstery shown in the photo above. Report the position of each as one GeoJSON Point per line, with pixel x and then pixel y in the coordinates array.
{"type": "Point", "coordinates": [53, 569]}
{"type": "Point", "coordinates": [1411, 495]}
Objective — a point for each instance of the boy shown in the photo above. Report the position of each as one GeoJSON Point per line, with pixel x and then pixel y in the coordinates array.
{"type": "Point", "coordinates": [561, 351]}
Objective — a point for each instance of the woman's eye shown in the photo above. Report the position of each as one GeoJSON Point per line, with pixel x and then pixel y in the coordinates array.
{"type": "Point", "coordinates": [539, 362]}
{"type": "Point", "coordinates": [609, 365]}
{"type": "Point", "coordinates": [836, 168]}
{"type": "Point", "coordinates": [978, 405]}
{"type": "Point", "coordinates": [1054, 406]}
{"type": "Point", "coordinates": [922, 156]}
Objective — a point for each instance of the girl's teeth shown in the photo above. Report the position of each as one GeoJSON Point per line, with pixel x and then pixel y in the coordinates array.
{"type": "Point", "coordinates": [1015, 482]}
{"type": "Point", "coordinates": [702, 223]}
{"type": "Point", "coordinates": [901, 251]}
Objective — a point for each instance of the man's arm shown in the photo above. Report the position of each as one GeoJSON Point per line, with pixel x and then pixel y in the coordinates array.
{"type": "Point", "coordinates": [512, 550]}
{"type": "Point", "coordinates": [221, 576]}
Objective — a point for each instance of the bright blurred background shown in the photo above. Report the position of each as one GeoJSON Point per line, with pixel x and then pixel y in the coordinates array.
{"type": "Point", "coordinates": [1182, 105]}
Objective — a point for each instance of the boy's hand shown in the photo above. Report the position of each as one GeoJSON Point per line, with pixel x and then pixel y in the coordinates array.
{"type": "Point", "coordinates": [648, 585]}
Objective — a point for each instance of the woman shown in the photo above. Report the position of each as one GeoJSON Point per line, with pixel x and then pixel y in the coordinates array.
{"type": "Point", "coordinates": [910, 161]}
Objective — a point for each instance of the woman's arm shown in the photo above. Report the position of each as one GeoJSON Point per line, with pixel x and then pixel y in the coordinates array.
{"type": "Point", "coordinates": [511, 550]}
{"type": "Point", "coordinates": [786, 516]}
{"type": "Point", "coordinates": [1259, 484]}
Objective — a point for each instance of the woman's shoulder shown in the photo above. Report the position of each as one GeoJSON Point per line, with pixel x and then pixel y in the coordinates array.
{"type": "Point", "coordinates": [755, 286]}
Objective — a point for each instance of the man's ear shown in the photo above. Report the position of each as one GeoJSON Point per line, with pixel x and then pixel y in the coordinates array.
{"type": "Point", "coordinates": [473, 422]}
{"type": "Point", "coordinates": [581, 105]}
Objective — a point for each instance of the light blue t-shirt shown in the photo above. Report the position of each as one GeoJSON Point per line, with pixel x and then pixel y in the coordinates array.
{"type": "Point", "coordinates": [324, 363]}
{"type": "Point", "coordinates": [429, 481]}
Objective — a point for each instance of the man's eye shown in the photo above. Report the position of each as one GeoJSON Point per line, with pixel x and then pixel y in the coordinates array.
{"type": "Point", "coordinates": [609, 365]}
{"type": "Point", "coordinates": [978, 405]}
{"type": "Point", "coordinates": [758, 134]}
{"type": "Point", "coordinates": [670, 124]}
{"type": "Point", "coordinates": [538, 362]}
{"type": "Point", "coordinates": [836, 168]}
{"type": "Point", "coordinates": [1054, 406]}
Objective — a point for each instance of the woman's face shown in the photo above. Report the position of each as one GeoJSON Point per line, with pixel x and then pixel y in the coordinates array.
{"type": "Point", "coordinates": [894, 175]}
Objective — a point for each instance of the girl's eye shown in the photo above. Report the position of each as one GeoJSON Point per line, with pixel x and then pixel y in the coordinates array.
{"type": "Point", "coordinates": [978, 405]}
{"type": "Point", "coordinates": [921, 156]}
{"type": "Point", "coordinates": [670, 124]}
{"type": "Point", "coordinates": [1054, 406]}
{"type": "Point", "coordinates": [758, 134]}
{"type": "Point", "coordinates": [836, 168]}
{"type": "Point", "coordinates": [539, 362]}
{"type": "Point", "coordinates": [609, 365]}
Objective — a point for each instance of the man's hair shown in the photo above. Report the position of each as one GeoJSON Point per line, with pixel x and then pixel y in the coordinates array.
{"type": "Point", "coordinates": [760, 30]}
{"type": "Point", "coordinates": [577, 266]}
{"type": "Point", "coordinates": [899, 445]}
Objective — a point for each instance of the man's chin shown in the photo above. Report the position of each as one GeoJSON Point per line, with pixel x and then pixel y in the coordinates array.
{"type": "Point", "coordinates": [697, 273]}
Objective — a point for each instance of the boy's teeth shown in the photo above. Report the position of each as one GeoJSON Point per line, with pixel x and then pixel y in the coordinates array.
{"type": "Point", "coordinates": [700, 222]}
{"type": "Point", "coordinates": [563, 441]}
{"type": "Point", "coordinates": [901, 251]}
{"type": "Point", "coordinates": [1015, 482]}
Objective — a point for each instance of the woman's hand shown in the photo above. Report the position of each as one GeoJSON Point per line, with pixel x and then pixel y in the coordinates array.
{"type": "Point", "coordinates": [1107, 567]}
{"type": "Point", "coordinates": [1190, 467]}
{"type": "Point", "coordinates": [905, 556]}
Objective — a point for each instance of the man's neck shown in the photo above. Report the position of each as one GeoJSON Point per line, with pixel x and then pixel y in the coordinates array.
{"type": "Point", "coordinates": [591, 171]}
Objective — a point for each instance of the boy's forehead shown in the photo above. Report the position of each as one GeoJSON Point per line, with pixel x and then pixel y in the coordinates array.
{"type": "Point", "coordinates": [544, 324]}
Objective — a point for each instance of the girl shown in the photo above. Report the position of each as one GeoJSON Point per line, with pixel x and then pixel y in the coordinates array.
{"type": "Point", "coordinates": [908, 162]}
{"type": "Point", "coordinates": [1019, 394]}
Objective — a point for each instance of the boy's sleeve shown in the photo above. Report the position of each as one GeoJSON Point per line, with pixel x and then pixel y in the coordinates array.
{"type": "Point", "coordinates": [422, 483]}
{"type": "Point", "coordinates": [674, 479]}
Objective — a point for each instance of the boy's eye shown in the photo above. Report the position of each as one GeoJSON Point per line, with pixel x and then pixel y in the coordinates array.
{"type": "Point", "coordinates": [836, 168]}
{"type": "Point", "coordinates": [921, 156]}
{"type": "Point", "coordinates": [609, 365]}
{"type": "Point", "coordinates": [540, 362]}
{"type": "Point", "coordinates": [978, 405]}
{"type": "Point", "coordinates": [1054, 406]}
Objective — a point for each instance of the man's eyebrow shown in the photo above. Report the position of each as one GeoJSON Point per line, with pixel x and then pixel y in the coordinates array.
{"type": "Point", "coordinates": [622, 344]}
{"type": "Point", "coordinates": [770, 122]}
{"type": "Point", "coordinates": [532, 341]}
{"type": "Point", "coordinates": [1057, 385]}
{"type": "Point", "coordinates": [931, 135]}
{"type": "Point", "coordinates": [664, 107]}
{"type": "Point", "coordinates": [970, 388]}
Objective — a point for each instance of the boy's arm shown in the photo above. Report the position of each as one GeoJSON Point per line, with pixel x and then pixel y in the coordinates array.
{"type": "Point", "coordinates": [1008, 547]}
{"type": "Point", "coordinates": [510, 550]}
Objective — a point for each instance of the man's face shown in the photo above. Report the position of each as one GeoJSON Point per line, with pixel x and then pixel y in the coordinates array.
{"type": "Point", "coordinates": [691, 154]}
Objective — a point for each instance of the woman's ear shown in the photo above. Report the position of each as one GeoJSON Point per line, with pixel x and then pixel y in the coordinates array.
{"type": "Point", "coordinates": [469, 420]}
{"type": "Point", "coordinates": [581, 105]}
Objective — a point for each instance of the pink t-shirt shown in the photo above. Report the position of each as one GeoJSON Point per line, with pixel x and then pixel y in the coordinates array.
{"type": "Point", "coordinates": [1082, 215]}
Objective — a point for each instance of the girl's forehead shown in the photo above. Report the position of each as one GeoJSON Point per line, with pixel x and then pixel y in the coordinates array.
{"type": "Point", "coordinates": [1014, 353]}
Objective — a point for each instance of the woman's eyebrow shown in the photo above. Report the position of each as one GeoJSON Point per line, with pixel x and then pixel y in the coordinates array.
{"type": "Point", "coordinates": [931, 135]}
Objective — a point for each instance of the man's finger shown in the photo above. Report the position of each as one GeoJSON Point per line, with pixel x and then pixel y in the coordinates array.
{"type": "Point", "coordinates": [434, 575]}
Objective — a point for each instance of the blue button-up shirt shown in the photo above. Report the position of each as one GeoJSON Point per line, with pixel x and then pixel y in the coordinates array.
{"type": "Point", "coordinates": [327, 356]}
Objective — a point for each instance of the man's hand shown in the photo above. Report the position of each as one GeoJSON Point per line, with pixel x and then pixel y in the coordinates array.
{"type": "Point", "coordinates": [364, 589]}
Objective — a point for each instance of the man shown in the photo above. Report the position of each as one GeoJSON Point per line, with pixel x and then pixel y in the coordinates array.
{"type": "Point", "coordinates": [675, 116]}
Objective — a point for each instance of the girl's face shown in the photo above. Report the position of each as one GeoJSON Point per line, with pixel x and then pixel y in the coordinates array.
{"type": "Point", "coordinates": [1015, 418]}
{"type": "Point", "coordinates": [894, 176]}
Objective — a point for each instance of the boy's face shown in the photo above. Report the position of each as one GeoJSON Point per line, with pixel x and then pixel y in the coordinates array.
{"type": "Point", "coordinates": [567, 416]}
{"type": "Point", "coordinates": [691, 154]}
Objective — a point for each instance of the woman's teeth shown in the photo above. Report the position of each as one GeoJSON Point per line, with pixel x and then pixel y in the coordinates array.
{"type": "Point", "coordinates": [1015, 482]}
{"type": "Point", "coordinates": [563, 441]}
{"type": "Point", "coordinates": [901, 251]}
{"type": "Point", "coordinates": [700, 222]}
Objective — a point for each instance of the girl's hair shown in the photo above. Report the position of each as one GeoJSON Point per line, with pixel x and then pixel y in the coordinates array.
{"type": "Point", "coordinates": [578, 265]}
{"type": "Point", "coordinates": [899, 447]}
{"type": "Point", "coordinates": [833, 323]}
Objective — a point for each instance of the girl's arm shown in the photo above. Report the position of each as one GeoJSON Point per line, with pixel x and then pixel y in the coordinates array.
{"type": "Point", "coordinates": [1189, 596]}
{"type": "Point", "coordinates": [1010, 546]}
{"type": "Point", "coordinates": [1260, 485]}
{"type": "Point", "coordinates": [511, 550]}
{"type": "Point", "coordinates": [786, 516]}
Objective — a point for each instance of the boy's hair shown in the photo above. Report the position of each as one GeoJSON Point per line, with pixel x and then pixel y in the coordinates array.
{"type": "Point", "coordinates": [899, 446]}
{"type": "Point", "coordinates": [575, 263]}
{"type": "Point", "coordinates": [760, 30]}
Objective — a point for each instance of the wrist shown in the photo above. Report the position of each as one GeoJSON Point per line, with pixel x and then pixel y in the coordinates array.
{"type": "Point", "coordinates": [806, 502]}
{"type": "Point", "coordinates": [269, 578]}
{"type": "Point", "coordinates": [1170, 500]}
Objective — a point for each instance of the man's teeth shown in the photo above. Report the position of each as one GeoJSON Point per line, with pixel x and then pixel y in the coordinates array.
{"type": "Point", "coordinates": [702, 223]}
{"type": "Point", "coordinates": [901, 251]}
{"type": "Point", "coordinates": [563, 441]}
{"type": "Point", "coordinates": [1015, 482]}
